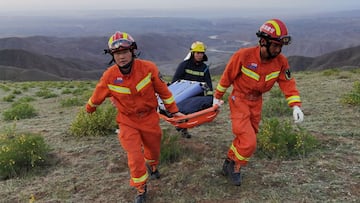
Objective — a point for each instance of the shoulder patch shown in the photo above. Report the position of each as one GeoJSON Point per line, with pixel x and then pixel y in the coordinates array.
{"type": "Point", "coordinates": [288, 74]}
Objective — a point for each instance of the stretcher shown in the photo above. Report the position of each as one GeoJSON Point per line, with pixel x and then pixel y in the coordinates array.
{"type": "Point", "coordinates": [182, 90]}
{"type": "Point", "coordinates": [193, 119]}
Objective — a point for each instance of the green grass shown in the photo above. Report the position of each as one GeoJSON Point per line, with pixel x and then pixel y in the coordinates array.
{"type": "Point", "coordinates": [94, 169]}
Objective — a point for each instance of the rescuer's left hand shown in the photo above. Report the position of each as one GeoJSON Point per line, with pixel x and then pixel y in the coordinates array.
{"type": "Point", "coordinates": [298, 114]}
{"type": "Point", "coordinates": [217, 102]}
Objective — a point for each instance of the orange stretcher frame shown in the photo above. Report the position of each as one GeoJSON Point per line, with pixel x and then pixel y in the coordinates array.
{"type": "Point", "coordinates": [193, 119]}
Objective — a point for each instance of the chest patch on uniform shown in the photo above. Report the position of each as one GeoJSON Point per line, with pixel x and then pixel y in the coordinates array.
{"type": "Point", "coordinates": [252, 66]}
{"type": "Point", "coordinates": [288, 74]}
{"type": "Point", "coordinates": [118, 80]}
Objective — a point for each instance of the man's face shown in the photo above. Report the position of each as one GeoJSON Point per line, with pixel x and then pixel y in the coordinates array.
{"type": "Point", "coordinates": [123, 57]}
{"type": "Point", "coordinates": [198, 56]}
{"type": "Point", "coordinates": [275, 48]}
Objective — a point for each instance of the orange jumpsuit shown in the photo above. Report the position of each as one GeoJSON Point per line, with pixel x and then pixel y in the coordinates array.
{"type": "Point", "coordinates": [136, 102]}
{"type": "Point", "coordinates": [250, 79]}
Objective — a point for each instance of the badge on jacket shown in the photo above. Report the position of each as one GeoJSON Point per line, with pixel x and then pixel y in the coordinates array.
{"type": "Point", "coordinates": [118, 80]}
{"type": "Point", "coordinates": [288, 74]}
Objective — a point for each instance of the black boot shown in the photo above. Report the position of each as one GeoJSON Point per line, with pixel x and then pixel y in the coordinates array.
{"type": "Point", "coordinates": [152, 170]}
{"type": "Point", "coordinates": [141, 195]}
{"type": "Point", "coordinates": [185, 133]}
{"type": "Point", "coordinates": [229, 169]}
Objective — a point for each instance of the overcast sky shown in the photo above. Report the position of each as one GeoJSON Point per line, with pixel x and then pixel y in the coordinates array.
{"type": "Point", "coordinates": [287, 6]}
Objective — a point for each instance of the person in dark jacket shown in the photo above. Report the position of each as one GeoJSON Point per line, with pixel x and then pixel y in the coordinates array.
{"type": "Point", "coordinates": [193, 68]}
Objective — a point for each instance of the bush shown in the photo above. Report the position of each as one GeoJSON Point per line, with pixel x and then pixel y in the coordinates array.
{"type": "Point", "coordinates": [330, 72]}
{"type": "Point", "coordinates": [4, 87]}
{"type": "Point", "coordinates": [19, 153]}
{"type": "Point", "coordinates": [171, 151]}
{"type": "Point", "coordinates": [45, 93]}
{"type": "Point", "coordinates": [279, 140]}
{"type": "Point", "coordinates": [19, 111]}
{"type": "Point", "coordinates": [353, 97]}
{"type": "Point", "coordinates": [9, 98]}
{"type": "Point", "coordinates": [276, 105]}
{"type": "Point", "coordinates": [26, 99]}
{"type": "Point", "coordinates": [71, 102]}
{"type": "Point", "coordinates": [100, 123]}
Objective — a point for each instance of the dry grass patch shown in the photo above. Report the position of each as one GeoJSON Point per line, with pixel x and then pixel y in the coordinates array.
{"type": "Point", "coordinates": [94, 169]}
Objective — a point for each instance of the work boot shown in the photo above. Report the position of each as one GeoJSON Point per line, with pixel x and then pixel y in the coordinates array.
{"type": "Point", "coordinates": [185, 133]}
{"type": "Point", "coordinates": [152, 170]}
{"type": "Point", "coordinates": [141, 194]}
{"type": "Point", "coordinates": [233, 171]}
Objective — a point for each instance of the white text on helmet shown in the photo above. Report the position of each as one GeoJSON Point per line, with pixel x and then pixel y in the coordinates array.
{"type": "Point", "coordinates": [268, 28]}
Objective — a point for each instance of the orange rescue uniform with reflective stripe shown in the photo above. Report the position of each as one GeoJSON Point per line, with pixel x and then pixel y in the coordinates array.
{"type": "Point", "coordinates": [136, 102]}
{"type": "Point", "coordinates": [251, 78]}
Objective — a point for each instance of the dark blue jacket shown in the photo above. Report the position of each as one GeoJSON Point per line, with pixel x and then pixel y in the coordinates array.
{"type": "Point", "coordinates": [189, 70]}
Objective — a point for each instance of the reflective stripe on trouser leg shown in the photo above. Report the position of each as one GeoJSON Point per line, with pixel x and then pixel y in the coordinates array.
{"type": "Point", "coordinates": [131, 142]}
{"type": "Point", "coordinates": [245, 117]}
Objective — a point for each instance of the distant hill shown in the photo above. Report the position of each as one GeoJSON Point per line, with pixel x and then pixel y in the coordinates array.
{"type": "Point", "coordinates": [73, 46]}
{"type": "Point", "coordinates": [349, 57]}
{"type": "Point", "coordinates": [20, 65]}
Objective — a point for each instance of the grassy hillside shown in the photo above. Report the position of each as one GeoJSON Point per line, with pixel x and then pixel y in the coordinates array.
{"type": "Point", "coordinates": [94, 169]}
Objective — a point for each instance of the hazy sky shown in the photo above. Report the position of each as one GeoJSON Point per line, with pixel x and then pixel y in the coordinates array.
{"type": "Point", "coordinates": [288, 6]}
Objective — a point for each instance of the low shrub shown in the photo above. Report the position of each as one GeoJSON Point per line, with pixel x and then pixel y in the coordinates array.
{"type": "Point", "coordinates": [330, 72]}
{"type": "Point", "coordinates": [171, 151]}
{"type": "Point", "coordinates": [9, 98]}
{"type": "Point", "coordinates": [20, 153]}
{"type": "Point", "coordinates": [71, 102]}
{"type": "Point", "coordinates": [275, 107]}
{"type": "Point", "coordinates": [19, 110]}
{"type": "Point", "coordinates": [100, 123]}
{"type": "Point", "coordinates": [275, 104]}
{"type": "Point", "coordinates": [4, 87]}
{"type": "Point", "coordinates": [45, 93]}
{"type": "Point", "coordinates": [26, 99]}
{"type": "Point", "coordinates": [280, 140]}
{"type": "Point", "coordinates": [353, 97]}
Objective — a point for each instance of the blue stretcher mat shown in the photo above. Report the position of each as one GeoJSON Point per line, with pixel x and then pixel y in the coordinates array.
{"type": "Point", "coordinates": [183, 89]}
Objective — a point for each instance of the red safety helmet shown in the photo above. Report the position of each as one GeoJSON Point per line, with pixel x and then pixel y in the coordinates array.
{"type": "Point", "coordinates": [275, 30]}
{"type": "Point", "coordinates": [121, 41]}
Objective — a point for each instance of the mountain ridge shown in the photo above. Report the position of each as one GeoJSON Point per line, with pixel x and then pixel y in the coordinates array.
{"type": "Point", "coordinates": [21, 65]}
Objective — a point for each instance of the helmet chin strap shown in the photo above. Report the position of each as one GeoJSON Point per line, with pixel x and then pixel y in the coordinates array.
{"type": "Point", "coordinates": [126, 69]}
{"type": "Point", "coordinates": [267, 45]}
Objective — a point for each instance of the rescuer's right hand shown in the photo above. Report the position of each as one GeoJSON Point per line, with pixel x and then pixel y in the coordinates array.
{"type": "Point", "coordinates": [90, 109]}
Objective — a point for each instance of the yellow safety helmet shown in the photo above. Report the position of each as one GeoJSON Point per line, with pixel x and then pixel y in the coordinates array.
{"type": "Point", "coordinates": [198, 47]}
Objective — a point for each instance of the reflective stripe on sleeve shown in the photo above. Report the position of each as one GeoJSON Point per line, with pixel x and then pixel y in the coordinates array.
{"type": "Point", "coordinates": [293, 99]}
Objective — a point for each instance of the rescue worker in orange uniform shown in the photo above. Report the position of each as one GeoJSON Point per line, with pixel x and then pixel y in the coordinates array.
{"type": "Point", "coordinates": [132, 83]}
{"type": "Point", "coordinates": [253, 71]}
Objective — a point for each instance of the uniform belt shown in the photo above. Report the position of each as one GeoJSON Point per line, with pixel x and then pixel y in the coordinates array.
{"type": "Point", "coordinates": [253, 96]}
{"type": "Point", "coordinates": [140, 113]}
